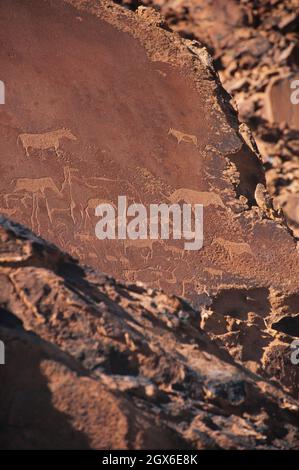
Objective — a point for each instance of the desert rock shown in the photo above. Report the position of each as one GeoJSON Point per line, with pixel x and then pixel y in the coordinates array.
{"type": "Point", "coordinates": [93, 363]}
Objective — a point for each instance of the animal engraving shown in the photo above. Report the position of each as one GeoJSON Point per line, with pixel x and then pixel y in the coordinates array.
{"type": "Point", "coordinates": [191, 196]}
{"type": "Point", "coordinates": [35, 185]}
{"type": "Point", "coordinates": [182, 137]}
{"type": "Point", "coordinates": [45, 141]}
{"type": "Point", "coordinates": [234, 248]}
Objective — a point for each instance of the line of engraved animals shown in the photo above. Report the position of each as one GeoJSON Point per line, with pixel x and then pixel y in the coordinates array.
{"type": "Point", "coordinates": [48, 140]}
{"type": "Point", "coordinates": [51, 140]}
{"type": "Point", "coordinates": [45, 141]}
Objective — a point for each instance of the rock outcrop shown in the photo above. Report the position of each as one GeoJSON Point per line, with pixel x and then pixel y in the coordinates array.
{"type": "Point", "coordinates": [92, 363]}
{"type": "Point", "coordinates": [255, 52]}
{"type": "Point", "coordinates": [255, 49]}
{"type": "Point", "coordinates": [126, 107]}
{"type": "Point", "coordinates": [102, 102]}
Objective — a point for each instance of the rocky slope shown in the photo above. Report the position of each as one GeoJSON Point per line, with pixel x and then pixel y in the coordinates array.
{"type": "Point", "coordinates": [92, 363]}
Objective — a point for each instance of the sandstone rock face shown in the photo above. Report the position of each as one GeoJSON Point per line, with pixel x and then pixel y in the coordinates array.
{"type": "Point", "coordinates": [255, 48]}
{"type": "Point", "coordinates": [127, 108]}
{"type": "Point", "coordinates": [92, 363]}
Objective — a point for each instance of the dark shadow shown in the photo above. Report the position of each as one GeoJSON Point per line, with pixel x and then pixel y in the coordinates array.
{"type": "Point", "coordinates": [9, 320]}
{"type": "Point", "coordinates": [287, 325]}
{"type": "Point", "coordinates": [238, 303]}
{"type": "Point", "coordinates": [28, 418]}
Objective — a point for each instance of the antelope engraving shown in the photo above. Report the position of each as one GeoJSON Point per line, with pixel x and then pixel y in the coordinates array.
{"type": "Point", "coordinates": [34, 188]}
{"type": "Point", "coordinates": [36, 185]}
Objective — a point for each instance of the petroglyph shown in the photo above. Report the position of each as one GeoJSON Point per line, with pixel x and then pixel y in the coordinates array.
{"type": "Point", "coordinates": [68, 181]}
{"type": "Point", "coordinates": [9, 211]}
{"type": "Point", "coordinates": [140, 244]}
{"type": "Point", "coordinates": [83, 237]}
{"type": "Point", "coordinates": [63, 199]}
{"type": "Point", "coordinates": [190, 196]}
{"type": "Point", "coordinates": [36, 185]}
{"type": "Point", "coordinates": [234, 248]}
{"type": "Point", "coordinates": [45, 141]}
{"type": "Point", "coordinates": [95, 183]}
{"type": "Point", "coordinates": [214, 272]}
{"type": "Point", "coordinates": [89, 182]}
{"type": "Point", "coordinates": [175, 250]}
{"type": "Point", "coordinates": [182, 137]}
{"type": "Point", "coordinates": [119, 258]}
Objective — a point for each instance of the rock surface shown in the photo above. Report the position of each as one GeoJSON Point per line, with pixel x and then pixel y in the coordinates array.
{"type": "Point", "coordinates": [145, 109]}
{"type": "Point", "coordinates": [92, 363]}
{"type": "Point", "coordinates": [255, 49]}
{"type": "Point", "coordinates": [126, 107]}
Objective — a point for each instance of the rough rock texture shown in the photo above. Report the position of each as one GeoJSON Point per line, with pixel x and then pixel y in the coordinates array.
{"type": "Point", "coordinates": [255, 45]}
{"type": "Point", "coordinates": [257, 327]}
{"type": "Point", "coordinates": [102, 102]}
{"type": "Point", "coordinates": [128, 108]}
{"type": "Point", "coordinates": [92, 363]}
{"type": "Point", "coordinates": [255, 51]}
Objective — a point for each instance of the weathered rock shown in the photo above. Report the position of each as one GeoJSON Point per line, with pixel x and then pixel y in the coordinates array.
{"type": "Point", "coordinates": [257, 327]}
{"type": "Point", "coordinates": [126, 107]}
{"type": "Point", "coordinates": [54, 403]}
{"type": "Point", "coordinates": [257, 65]}
{"type": "Point", "coordinates": [138, 112]}
{"type": "Point", "coordinates": [92, 363]}
{"type": "Point", "coordinates": [255, 48]}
